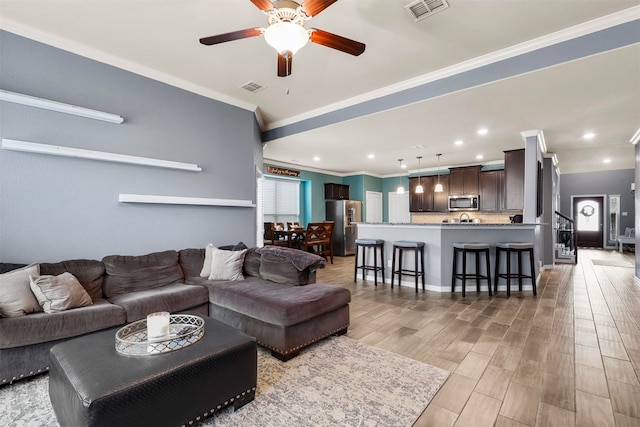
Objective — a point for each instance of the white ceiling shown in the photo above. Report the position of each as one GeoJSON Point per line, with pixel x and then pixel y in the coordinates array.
{"type": "Point", "coordinates": [159, 39]}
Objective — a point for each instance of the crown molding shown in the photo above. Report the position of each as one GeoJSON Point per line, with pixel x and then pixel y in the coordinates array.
{"type": "Point", "coordinates": [134, 67]}
{"type": "Point", "coordinates": [566, 34]}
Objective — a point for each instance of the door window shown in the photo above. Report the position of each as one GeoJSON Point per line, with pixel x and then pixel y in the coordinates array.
{"type": "Point", "coordinates": [588, 214]}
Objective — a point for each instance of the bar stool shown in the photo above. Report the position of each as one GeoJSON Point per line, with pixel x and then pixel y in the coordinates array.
{"type": "Point", "coordinates": [470, 248]}
{"type": "Point", "coordinates": [518, 248]}
{"type": "Point", "coordinates": [376, 244]}
{"type": "Point", "coordinates": [406, 245]}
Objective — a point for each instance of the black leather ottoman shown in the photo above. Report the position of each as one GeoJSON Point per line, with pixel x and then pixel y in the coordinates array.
{"type": "Point", "coordinates": [91, 384]}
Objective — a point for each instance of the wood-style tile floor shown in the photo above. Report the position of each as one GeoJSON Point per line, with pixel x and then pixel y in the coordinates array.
{"type": "Point", "coordinates": [568, 357]}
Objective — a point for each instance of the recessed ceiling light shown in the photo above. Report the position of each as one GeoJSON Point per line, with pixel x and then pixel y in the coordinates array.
{"type": "Point", "coordinates": [607, 160]}
{"type": "Point", "coordinates": [316, 158]}
{"type": "Point", "coordinates": [371, 156]}
{"type": "Point", "coordinates": [483, 131]}
{"type": "Point", "coordinates": [479, 157]}
{"type": "Point", "coordinates": [403, 166]}
{"type": "Point", "coordinates": [458, 142]}
{"type": "Point", "coordinates": [589, 135]}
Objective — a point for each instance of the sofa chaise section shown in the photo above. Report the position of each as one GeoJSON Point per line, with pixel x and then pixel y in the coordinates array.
{"type": "Point", "coordinates": [278, 302]}
{"type": "Point", "coordinates": [285, 319]}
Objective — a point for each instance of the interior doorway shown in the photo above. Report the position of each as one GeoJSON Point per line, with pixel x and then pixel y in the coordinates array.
{"type": "Point", "coordinates": [588, 216]}
{"type": "Point", "coordinates": [373, 206]}
{"type": "Point", "coordinates": [399, 208]}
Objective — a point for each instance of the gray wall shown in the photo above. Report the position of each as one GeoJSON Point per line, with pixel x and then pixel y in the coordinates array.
{"type": "Point", "coordinates": [55, 208]}
{"type": "Point", "coordinates": [636, 202]}
{"type": "Point", "coordinates": [597, 183]}
{"type": "Point", "coordinates": [550, 187]}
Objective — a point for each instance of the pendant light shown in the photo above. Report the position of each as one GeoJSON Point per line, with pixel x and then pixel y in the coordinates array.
{"type": "Point", "coordinates": [400, 189]}
{"type": "Point", "coordinates": [419, 189]}
{"type": "Point", "coordinates": [438, 188]}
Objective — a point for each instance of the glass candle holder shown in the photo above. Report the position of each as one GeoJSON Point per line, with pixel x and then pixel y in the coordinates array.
{"type": "Point", "coordinates": [158, 325]}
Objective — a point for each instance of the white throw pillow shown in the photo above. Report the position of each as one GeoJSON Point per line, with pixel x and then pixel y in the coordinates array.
{"type": "Point", "coordinates": [206, 267]}
{"type": "Point", "coordinates": [16, 298]}
{"type": "Point", "coordinates": [59, 293]}
{"type": "Point", "coordinates": [226, 265]}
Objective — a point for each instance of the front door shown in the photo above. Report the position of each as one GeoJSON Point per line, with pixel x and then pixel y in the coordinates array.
{"type": "Point", "coordinates": [588, 215]}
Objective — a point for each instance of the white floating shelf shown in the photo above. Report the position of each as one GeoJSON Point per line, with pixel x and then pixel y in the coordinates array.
{"type": "Point", "coordinates": [32, 101]}
{"type": "Point", "coordinates": [55, 150]}
{"type": "Point", "coordinates": [175, 200]}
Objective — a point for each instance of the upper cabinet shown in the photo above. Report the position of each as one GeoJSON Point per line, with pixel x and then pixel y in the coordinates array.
{"type": "Point", "coordinates": [429, 200]}
{"type": "Point", "coordinates": [441, 200]}
{"type": "Point", "coordinates": [336, 192]}
{"type": "Point", "coordinates": [492, 190]}
{"type": "Point", "coordinates": [464, 180]}
{"type": "Point", "coordinates": [421, 202]}
{"type": "Point", "coordinates": [499, 190]}
{"type": "Point", "coordinates": [514, 179]}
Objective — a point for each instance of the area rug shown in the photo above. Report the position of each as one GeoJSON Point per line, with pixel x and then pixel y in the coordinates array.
{"type": "Point", "coordinates": [336, 382]}
{"type": "Point", "coordinates": [612, 263]}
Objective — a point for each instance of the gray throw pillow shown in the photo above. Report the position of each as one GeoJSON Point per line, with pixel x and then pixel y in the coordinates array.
{"type": "Point", "coordinates": [206, 266]}
{"type": "Point", "coordinates": [226, 265]}
{"type": "Point", "coordinates": [59, 293]}
{"type": "Point", "coordinates": [16, 298]}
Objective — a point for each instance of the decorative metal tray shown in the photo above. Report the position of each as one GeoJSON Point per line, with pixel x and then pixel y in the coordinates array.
{"type": "Point", "coordinates": [184, 330]}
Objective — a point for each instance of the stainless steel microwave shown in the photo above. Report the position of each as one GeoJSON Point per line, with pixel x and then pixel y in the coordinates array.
{"type": "Point", "coordinates": [464, 203]}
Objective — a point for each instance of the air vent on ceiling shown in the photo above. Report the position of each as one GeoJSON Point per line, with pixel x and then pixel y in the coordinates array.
{"type": "Point", "coordinates": [252, 87]}
{"type": "Point", "coordinates": [421, 9]}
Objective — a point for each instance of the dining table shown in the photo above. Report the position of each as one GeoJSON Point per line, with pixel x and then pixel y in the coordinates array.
{"type": "Point", "coordinates": [294, 237]}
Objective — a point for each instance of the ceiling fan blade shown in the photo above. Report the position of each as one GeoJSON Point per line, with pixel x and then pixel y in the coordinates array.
{"type": "Point", "coordinates": [314, 7]}
{"type": "Point", "coordinates": [284, 65]}
{"type": "Point", "coordinates": [335, 41]}
{"type": "Point", "coordinates": [264, 5]}
{"type": "Point", "coordinates": [234, 35]}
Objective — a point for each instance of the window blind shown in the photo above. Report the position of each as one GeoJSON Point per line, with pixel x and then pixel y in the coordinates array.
{"type": "Point", "coordinates": [281, 200]}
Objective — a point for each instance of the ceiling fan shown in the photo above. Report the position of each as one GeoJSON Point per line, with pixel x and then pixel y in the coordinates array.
{"type": "Point", "coordinates": [286, 32]}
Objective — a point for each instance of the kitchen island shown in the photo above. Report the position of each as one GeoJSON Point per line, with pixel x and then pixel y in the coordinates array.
{"type": "Point", "coordinates": [439, 240]}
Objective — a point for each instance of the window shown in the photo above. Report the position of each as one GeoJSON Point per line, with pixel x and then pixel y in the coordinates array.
{"type": "Point", "coordinates": [281, 200]}
{"type": "Point", "coordinates": [588, 215]}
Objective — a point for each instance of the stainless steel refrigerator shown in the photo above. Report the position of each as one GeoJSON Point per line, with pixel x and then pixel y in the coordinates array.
{"type": "Point", "coordinates": [344, 213]}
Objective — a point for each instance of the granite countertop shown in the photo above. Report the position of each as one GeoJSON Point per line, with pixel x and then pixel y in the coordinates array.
{"type": "Point", "coordinates": [447, 224]}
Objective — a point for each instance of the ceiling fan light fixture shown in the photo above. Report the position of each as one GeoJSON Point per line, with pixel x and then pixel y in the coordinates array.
{"type": "Point", "coordinates": [286, 37]}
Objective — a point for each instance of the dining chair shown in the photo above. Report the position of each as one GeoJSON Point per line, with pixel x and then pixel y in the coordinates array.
{"type": "Point", "coordinates": [271, 237]}
{"type": "Point", "coordinates": [318, 239]}
{"type": "Point", "coordinates": [295, 225]}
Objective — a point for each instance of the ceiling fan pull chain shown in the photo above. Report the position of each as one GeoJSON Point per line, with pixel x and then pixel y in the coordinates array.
{"type": "Point", "coordinates": [288, 71]}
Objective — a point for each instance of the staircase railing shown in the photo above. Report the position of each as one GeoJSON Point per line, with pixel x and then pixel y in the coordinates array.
{"type": "Point", "coordinates": [566, 239]}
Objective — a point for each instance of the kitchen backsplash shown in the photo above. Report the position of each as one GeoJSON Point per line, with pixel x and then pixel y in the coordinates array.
{"type": "Point", "coordinates": [440, 217]}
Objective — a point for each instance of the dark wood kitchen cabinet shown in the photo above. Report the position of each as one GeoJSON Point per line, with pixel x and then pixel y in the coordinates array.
{"type": "Point", "coordinates": [464, 180]}
{"type": "Point", "coordinates": [492, 190]}
{"type": "Point", "coordinates": [441, 200]}
{"type": "Point", "coordinates": [421, 202]}
{"type": "Point", "coordinates": [514, 179]}
{"type": "Point", "coordinates": [336, 192]}
{"type": "Point", "coordinates": [429, 201]}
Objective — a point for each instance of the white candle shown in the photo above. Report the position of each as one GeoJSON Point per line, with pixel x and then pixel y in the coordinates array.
{"type": "Point", "coordinates": [158, 325]}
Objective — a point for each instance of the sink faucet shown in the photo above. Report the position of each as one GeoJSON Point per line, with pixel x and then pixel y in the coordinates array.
{"type": "Point", "coordinates": [465, 214]}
